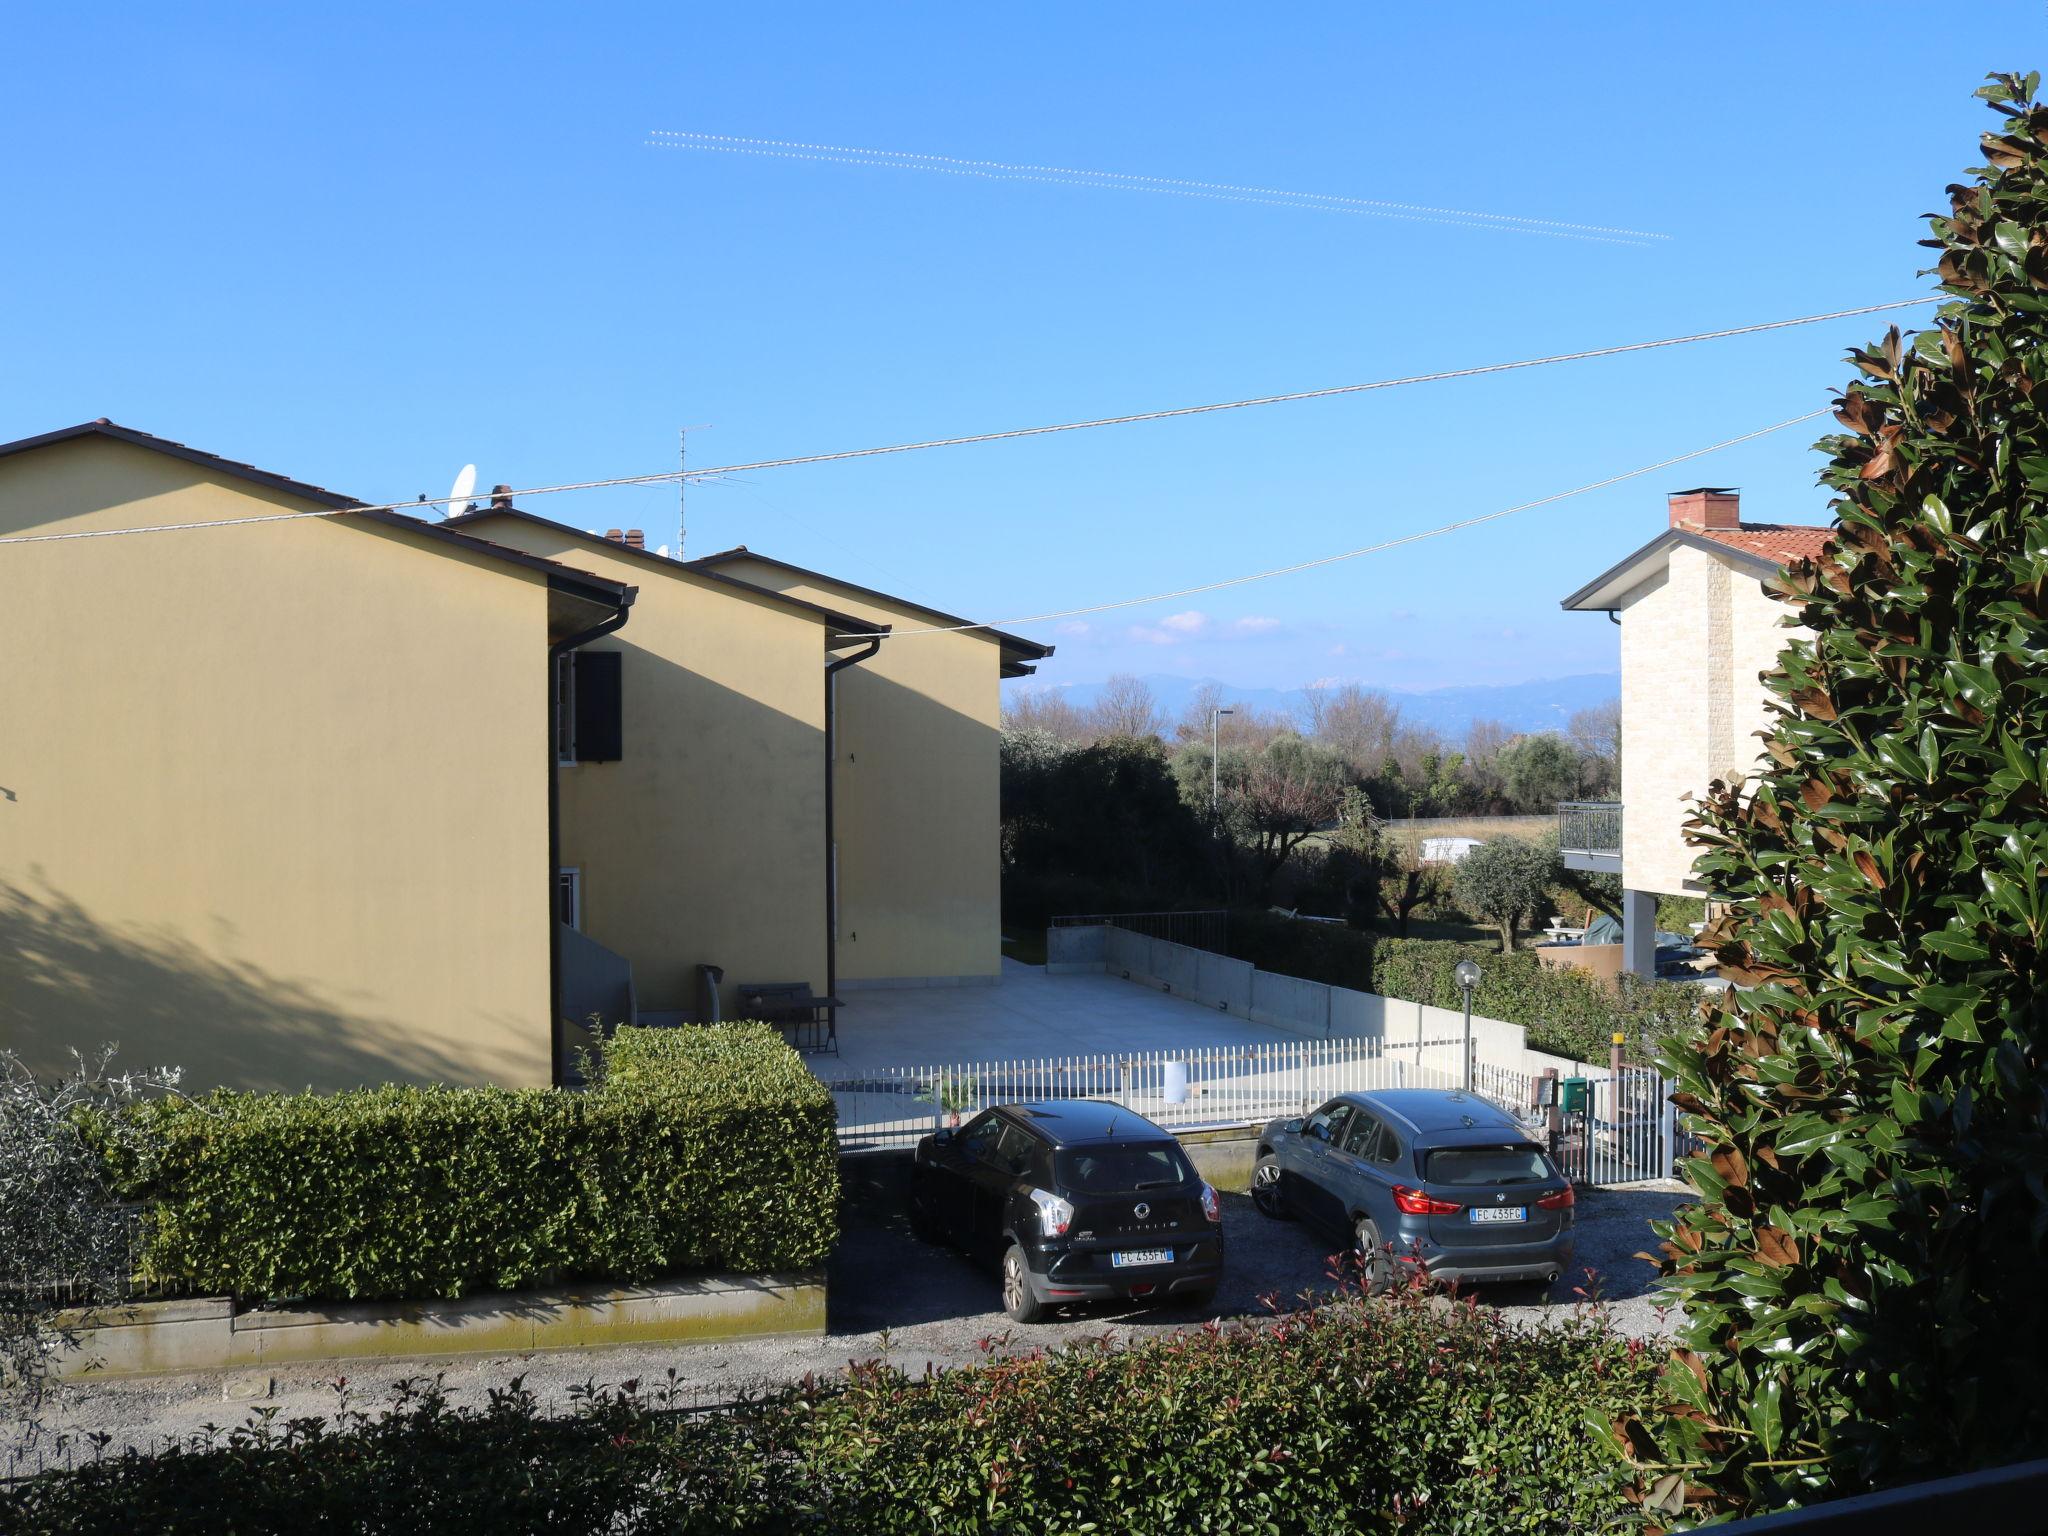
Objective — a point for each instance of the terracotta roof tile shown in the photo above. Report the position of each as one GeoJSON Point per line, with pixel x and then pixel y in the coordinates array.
{"type": "Point", "coordinates": [1782, 542]}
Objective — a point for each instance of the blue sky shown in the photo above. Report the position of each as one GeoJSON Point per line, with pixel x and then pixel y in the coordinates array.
{"type": "Point", "coordinates": [365, 246]}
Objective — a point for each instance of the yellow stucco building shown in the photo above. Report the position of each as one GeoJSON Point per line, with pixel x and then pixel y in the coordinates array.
{"type": "Point", "coordinates": [274, 806]}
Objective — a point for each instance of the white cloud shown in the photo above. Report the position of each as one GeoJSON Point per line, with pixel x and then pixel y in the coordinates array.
{"type": "Point", "coordinates": [1146, 635]}
{"type": "Point", "coordinates": [1255, 624]}
{"type": "Point", "coordinates": [1193, 622]}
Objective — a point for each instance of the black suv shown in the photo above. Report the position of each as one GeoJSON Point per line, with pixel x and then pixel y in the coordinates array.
{"type": "Point", "coordinates": [1080, 1201]}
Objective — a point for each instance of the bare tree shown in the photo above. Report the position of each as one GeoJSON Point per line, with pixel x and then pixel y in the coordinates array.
{"type": "Point", "coordinates": [1046, 709]}
{"type": "Point", "coordinates": [1356, 722]}
{"type": "Point", "coordinates": [1596, 732]}
{"type": "Point", "coordinates": [1127, 708]}
{"type": "Point", "coordinates": [1483, 743]}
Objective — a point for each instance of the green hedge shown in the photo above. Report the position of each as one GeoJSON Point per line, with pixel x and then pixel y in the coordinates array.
{"type": "Point", "coordinates": [703, 1148]}
{"type": "Point", "coordinates": [1568, 1013]}
{"type": "Point", "coordinates": [1408, 1412]}
{"type": "Point", "coordinates": [1287, 946]}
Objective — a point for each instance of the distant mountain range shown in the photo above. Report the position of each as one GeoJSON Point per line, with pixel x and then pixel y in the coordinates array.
{"type": "Point", "coordinates": [1545, 704]}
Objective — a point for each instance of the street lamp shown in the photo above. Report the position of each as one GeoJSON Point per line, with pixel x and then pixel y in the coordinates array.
{"type": "Point", "coordinates": [1468, 978]}
{"type": "Point", "coordinates": [1215, 755]}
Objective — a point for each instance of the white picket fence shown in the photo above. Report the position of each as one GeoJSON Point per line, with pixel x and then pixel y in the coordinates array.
{"type": "Point", "coordinates": [1216, 1087]}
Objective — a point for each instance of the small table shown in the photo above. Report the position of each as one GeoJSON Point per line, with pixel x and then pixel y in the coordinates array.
{"type": "Point", "coordinates": [807, 1020]}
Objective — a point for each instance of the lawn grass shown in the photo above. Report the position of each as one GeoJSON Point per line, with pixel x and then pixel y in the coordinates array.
{"type": "Point", "coordinates": [1025, 944]}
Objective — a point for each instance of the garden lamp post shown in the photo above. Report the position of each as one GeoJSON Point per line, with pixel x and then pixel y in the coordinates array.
{"type": "Point", "coordinates": [1468, 978]}
{"type": "Point", "coordinates": [1215, 755]}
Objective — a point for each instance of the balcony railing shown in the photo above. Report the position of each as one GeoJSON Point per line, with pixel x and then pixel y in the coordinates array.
{"type": "Point", "coordinates": [1589, 834]}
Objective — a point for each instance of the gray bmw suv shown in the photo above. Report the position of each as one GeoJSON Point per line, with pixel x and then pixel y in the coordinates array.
{"type": "Point", "coordinates": [1421, 1176]}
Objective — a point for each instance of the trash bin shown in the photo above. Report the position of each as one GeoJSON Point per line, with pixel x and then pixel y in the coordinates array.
{"type": "Point", "coordinates": [1176, 1087]}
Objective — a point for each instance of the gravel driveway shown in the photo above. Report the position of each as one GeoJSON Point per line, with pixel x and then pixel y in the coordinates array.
{"type": "Point", "coordinates": [893, 1297]}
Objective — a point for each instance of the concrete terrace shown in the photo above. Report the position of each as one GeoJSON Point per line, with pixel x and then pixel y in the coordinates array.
{"type": "Point", "coordinates": [1027, 1013]}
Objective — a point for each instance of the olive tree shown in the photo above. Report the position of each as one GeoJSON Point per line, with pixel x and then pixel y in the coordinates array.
{"type": "Point", "coordinates": [1506, 881]}
{"type": "Point", "coordinates": [63, 1238]}
{"type": "Point", "coordinates": [1865, 1274]}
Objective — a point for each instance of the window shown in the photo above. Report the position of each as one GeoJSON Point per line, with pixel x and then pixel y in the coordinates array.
{"type": "Point", "coordinates": [1013, 1156]}
{"type": "Point", "coordinates": [569, 897]}
{"type": "Point", "coordinates": [588, 707]}
{"type": "Point", "coordinates": [978, 1141]}
{"type": "Point", "coordinates": [1489, 1165]}
{"type": "Point", "coordinates": [1327, 1123]}
{"type": "Point", "coordinates": [1363, 1139]}
{"type": "Point", "coordinates": [565, 710]}
{"type": "Point", "coordinates": [1121, 1170]}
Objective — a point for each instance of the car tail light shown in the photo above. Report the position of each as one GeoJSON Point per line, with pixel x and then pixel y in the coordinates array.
{"type": "Point", "coordinates": [1211, 1206]}
{"type": "Point", "coordinates": [1054, 1214]}
{"type": "Point", "coordinates": [1416, 1203]}
{"type": "Point", "coordinates": [1558, 1200]}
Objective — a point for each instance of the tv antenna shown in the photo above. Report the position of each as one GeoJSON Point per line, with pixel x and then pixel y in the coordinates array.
{"type": "Point", "coordinates": [683, 484]}
{"type": "Point", "coordinates": [459, 492]}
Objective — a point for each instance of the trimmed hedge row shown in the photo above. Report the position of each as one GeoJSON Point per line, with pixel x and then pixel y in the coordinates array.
{"type": "Point", "coordinates": [1568, 1013]}
{"type": "Point", "coordinates": [1327, 952]}
{"type": "Point", "coordinates": [1408, 1412]}
{"type": "Point", "coordinates": [702, 1148]}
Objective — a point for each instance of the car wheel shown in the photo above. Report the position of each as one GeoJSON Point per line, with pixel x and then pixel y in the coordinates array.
{"type": "Point", "coordinates": [1018, 1300]}
{"type": "Point", "coordinates": [1376, 1267]}
{"type": "Point", "coordinates": [922, 1226]}
{"type": "Point", "coordinates": [1266, 1190]}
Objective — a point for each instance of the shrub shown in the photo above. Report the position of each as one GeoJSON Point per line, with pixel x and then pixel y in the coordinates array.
{"type": "Point", "coordinates": [1866, 1274]}
{"type": "Point", "coordinates": [706, 1147]}
{"type": "Point", "coordinates": [1566, 1012]}
{"type": "Point", "coordinates": [1406, 1412]}
{"type": "Point", "coordinates": [1287, 946]}
{"type": "Point", "coordinates": [1505, 881]}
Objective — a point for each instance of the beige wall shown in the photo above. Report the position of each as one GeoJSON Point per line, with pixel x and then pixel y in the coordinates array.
{"type": "Point", "coordinates": [917, 815]}
{"type": "Point", "coordinates": [272, 798]}
{"type": "Point", "coordinates": [705, 842]}
{"type": "Point", "coordinates": [1693, 642]}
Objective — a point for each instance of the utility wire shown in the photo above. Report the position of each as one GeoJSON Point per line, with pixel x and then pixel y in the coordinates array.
{"type": "Point", "coordinates": [1349, 554]}
{"type": "Point", "coordinates": [1107, 181]}
{"type": "Point", "coordinates": [669, 476]}
{"type": "Point", "coordinates": [907, 160]}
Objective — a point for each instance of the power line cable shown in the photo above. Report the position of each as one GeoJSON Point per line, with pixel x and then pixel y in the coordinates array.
{"type": "Point", "coordinates": [669, 476]}
{"type": "Point", "coordinates": [1302, 203]}
{"type": "Point", "coordinates": [908, 160]}
{"type": "Point", "coordinates": [1349, 554]}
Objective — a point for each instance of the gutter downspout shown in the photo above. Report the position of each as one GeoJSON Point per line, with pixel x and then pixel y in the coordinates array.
{"type": "Point", "coordinates": [832, 670]}
{"type": "Point", "coordinates": [556, 652]}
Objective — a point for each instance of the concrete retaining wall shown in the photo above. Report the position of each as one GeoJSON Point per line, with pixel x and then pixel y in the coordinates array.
{"type": "Point", "coordinates": [212, 1334]}
{"type": "Point", "coordinates": [1307, 1008]}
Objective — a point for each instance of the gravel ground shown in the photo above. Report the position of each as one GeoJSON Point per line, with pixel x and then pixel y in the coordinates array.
{"type": "Point", "coordinates": [892, 1297]}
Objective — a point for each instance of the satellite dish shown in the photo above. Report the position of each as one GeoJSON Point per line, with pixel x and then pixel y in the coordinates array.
{"type": "Point", "coordinates": [459, 492]}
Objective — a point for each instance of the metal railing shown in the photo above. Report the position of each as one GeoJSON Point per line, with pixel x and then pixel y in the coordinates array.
{"type": "Point", "coordinates": [1208, 930]}
{"type": "Point", "coordinates": [1209, 1087]}
{"type": "Point", "coordinates": [1589, 826]}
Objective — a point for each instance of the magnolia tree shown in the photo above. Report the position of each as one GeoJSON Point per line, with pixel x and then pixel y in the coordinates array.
{"type": "Point", "coordinates": [1865, 1275]}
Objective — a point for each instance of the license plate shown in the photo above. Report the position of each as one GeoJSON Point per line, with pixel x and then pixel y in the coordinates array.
{"type": "Point", "coordinates": [1483, 1215]}
{"type": "Point", "coordinates": [1127, 1257]}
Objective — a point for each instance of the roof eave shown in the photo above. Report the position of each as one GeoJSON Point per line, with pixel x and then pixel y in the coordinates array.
{"type": "Point", "coordinates": [1603, 593]}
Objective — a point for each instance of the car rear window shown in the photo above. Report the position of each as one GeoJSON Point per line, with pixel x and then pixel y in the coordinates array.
{"type": "Point", "coordinates": [1118, 1170]}
{"type": "Point", "coordinates": [1488, 1165]}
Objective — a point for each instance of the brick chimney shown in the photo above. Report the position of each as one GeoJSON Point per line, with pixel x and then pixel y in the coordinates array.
{"type": "Point", "coordinates": [1706, 506]}
{"type": "Point", "coordinates": [501, 498]}
{"type": "Point", "coordinates": [635, 539]}
{"type": "Point", "coordinates": [615, 536]}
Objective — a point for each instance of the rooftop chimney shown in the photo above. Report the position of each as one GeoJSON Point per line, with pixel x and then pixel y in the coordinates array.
{"type": "Point", "coordinates": [1706, 506]}
{"type": "Point", "coordinates": [635, 539]}
{"type": "Point", "coordinates": [501, 498]}
{"type": "Point", "coordinates": [615, 536]}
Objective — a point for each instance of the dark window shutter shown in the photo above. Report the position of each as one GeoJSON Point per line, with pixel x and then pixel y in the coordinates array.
{"type": "Point", "coordinates": [599, 731]}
